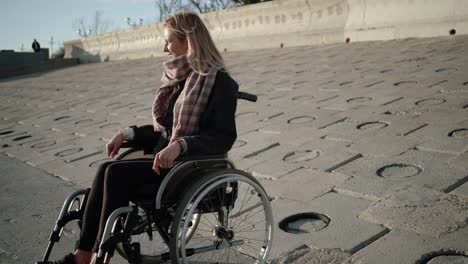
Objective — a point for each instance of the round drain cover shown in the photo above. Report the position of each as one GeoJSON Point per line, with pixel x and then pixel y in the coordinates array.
{"type": "Point", "coordinates": [372, 125]}
{"type": "Point", "coordinates": [68, 152]}
{"type": "Point", "coordinates": [299, 156]}
{"type": "Point", "coordinates": [459, 133]}
{"type": "Point", "coordinates": [449, 260]}
{"type": "Point", "coordinates": [431, 101]}
{"type": "Point", "coordinates": [444, 256]}
{"type": "Point", "coordinates": [399, 171]}
{"type": "Point", "coordinates": [301, 119]}
{"type": "Point", "coordinates": [304, 223]}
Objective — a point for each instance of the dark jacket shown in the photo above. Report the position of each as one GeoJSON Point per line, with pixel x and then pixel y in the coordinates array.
{"type": "Point", "coordinates": [217, 123]}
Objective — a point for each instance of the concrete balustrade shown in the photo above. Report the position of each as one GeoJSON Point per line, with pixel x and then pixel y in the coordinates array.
{"type": "Point", "coordinates": [290, 23]}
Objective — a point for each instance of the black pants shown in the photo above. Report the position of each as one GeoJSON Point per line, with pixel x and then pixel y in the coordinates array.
{"type": "Point", "coordinates": [114, 186]}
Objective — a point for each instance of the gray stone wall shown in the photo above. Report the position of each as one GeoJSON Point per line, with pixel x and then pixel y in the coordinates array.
{"type": "Point", "coordinates": [286, 23]}
{"type": "Point", "coordinates": [14, 59]}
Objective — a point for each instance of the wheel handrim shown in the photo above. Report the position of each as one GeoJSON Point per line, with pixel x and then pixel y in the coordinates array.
{"type": "Point", "coordinates": [246, 243]}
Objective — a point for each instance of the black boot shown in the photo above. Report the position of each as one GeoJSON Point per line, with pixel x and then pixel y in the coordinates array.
{"type": "Point", "coordinates": [68, 259]}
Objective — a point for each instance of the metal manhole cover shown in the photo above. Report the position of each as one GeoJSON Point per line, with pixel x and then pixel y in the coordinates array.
{"type": "Point", "coordinates": [399, 171]}
{"type": "Point", "coordinates": [459, 133]}
{"type": "Point", "coordinates": [304, 223]}
{"type": "Point", "coordinates": [372, 125]}
{"type": "Point", "coordinates": [300, 156]}
{"type": "Point", "coordinates": [301, 119]}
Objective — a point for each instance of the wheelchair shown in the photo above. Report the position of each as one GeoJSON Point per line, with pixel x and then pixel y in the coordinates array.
{"type": "Point", "coordinates": [205, 211]}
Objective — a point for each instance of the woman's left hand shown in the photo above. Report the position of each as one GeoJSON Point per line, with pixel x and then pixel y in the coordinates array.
{"type": "Point", "coordinates": [165, 158]}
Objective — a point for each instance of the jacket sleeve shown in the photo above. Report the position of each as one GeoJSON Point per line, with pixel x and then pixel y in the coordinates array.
{"type": "Point", "coordinates": [218, 129]}
{"type": "Point", "coordinates": [146, 138]}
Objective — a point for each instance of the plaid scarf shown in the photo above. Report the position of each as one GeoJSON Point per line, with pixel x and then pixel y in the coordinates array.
{"type": "Point", "coordinates": [190, 103]}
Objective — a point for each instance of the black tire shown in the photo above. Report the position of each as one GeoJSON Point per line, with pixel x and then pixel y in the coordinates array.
{"type": "Point", "coordinates": [198, 188]}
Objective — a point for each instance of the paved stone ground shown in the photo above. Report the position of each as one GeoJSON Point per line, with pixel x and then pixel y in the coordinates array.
{"type": "Point", "coordinates": [371, 138]}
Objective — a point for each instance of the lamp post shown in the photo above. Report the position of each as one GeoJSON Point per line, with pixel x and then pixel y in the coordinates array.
{"type": "Point", "coordinates": [134, 24]}
{"type": "Point", "coordinates": [51, 41]}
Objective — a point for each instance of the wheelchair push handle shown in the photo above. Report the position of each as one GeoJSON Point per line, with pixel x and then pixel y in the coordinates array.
{"type": "Point", "coordinates": [247, 96]}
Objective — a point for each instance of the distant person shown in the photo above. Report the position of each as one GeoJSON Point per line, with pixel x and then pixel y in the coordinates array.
{"type": "Point", "coordinates": [36, 46]}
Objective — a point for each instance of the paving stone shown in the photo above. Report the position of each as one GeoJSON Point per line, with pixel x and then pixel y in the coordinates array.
{"type": "Point", "coordinates": [448, 138]}
{"type": "Point", "coordinates": [285, 159]}
{"type": "Point", "coordinates": [461, 190]}
{"type": "Point", "coordinates": [407, 247]}
{"type": "Point", "coordinates": [345, 230]}
{"type": "Point", "coordinates": [385, 145]}
{"type": "Point", "coordinates": [81, 175]}
{"type": "Point", "coordinates": [303, 185]}
{"type": "Point", "coordinates": [253, 142]}
{"type": "Point", "coordinates": [364, 187]}
{"type": "Point", "coordinates": [414, 167]}
{"type": "Point", "coordinates": [355, 128]}
{"type": "Point", "coordinates": [304, 254]}
{"type": "Point", "coordinates": [293, 135]}
{"type": "Point", "coordinates": [418, 87]}
{"type": "Point", "coordinates": [419, 210]}
{"type": "Point", "coordinates": [300, 116]}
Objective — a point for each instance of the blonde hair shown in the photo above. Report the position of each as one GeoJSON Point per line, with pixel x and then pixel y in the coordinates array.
{"type": "Point", "coordinates": [202, 54]}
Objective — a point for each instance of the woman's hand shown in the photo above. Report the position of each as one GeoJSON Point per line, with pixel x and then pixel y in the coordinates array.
{"type": "Point", "coordinates": [114, 144]}
{"type": "Point", "coordinates": [165, 158]}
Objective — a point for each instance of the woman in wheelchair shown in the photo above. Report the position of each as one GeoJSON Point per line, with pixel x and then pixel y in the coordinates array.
{"type": "Point", "coordinates": [193, 115]}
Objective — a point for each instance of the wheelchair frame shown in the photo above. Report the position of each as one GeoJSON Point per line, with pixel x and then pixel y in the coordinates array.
{"type": "Point", "coordinates": [111, 238]}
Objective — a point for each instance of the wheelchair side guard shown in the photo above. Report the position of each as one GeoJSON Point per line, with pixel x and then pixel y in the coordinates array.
{"type": "Point", "coordinates": [110, 238]}
{"type": "Point", "coordinates": [65, 217]}
{"type": "Point", "coordinates": [196, 163]}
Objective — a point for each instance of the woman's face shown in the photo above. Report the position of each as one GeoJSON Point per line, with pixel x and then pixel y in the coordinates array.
{"type": "Point", "coordinates": [173, 45]}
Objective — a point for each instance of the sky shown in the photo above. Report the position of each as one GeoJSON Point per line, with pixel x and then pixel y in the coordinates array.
{"type": "Point", "coordinates": [23, 20]}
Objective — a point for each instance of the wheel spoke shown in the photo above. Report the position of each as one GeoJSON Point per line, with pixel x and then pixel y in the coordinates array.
{"type": "Point", "coordinates": [247, 224]}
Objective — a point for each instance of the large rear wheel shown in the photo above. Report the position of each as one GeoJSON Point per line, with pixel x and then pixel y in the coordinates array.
{"type": "Point", "coordinates": [236, 222]}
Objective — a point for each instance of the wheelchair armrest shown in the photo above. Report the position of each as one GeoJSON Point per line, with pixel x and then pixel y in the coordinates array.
{"type": "Point", "coordinates": [201, 157]}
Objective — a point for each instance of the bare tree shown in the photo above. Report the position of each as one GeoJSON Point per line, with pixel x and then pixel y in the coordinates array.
{"type": "Point", "coordinates": [249, 2]}
{"type": "Point", "coordinates": [204, 6]}
{"type": "Point", "coordinates": [97, 26]}
{"type": "Point", "coordinates": [167, 7]}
